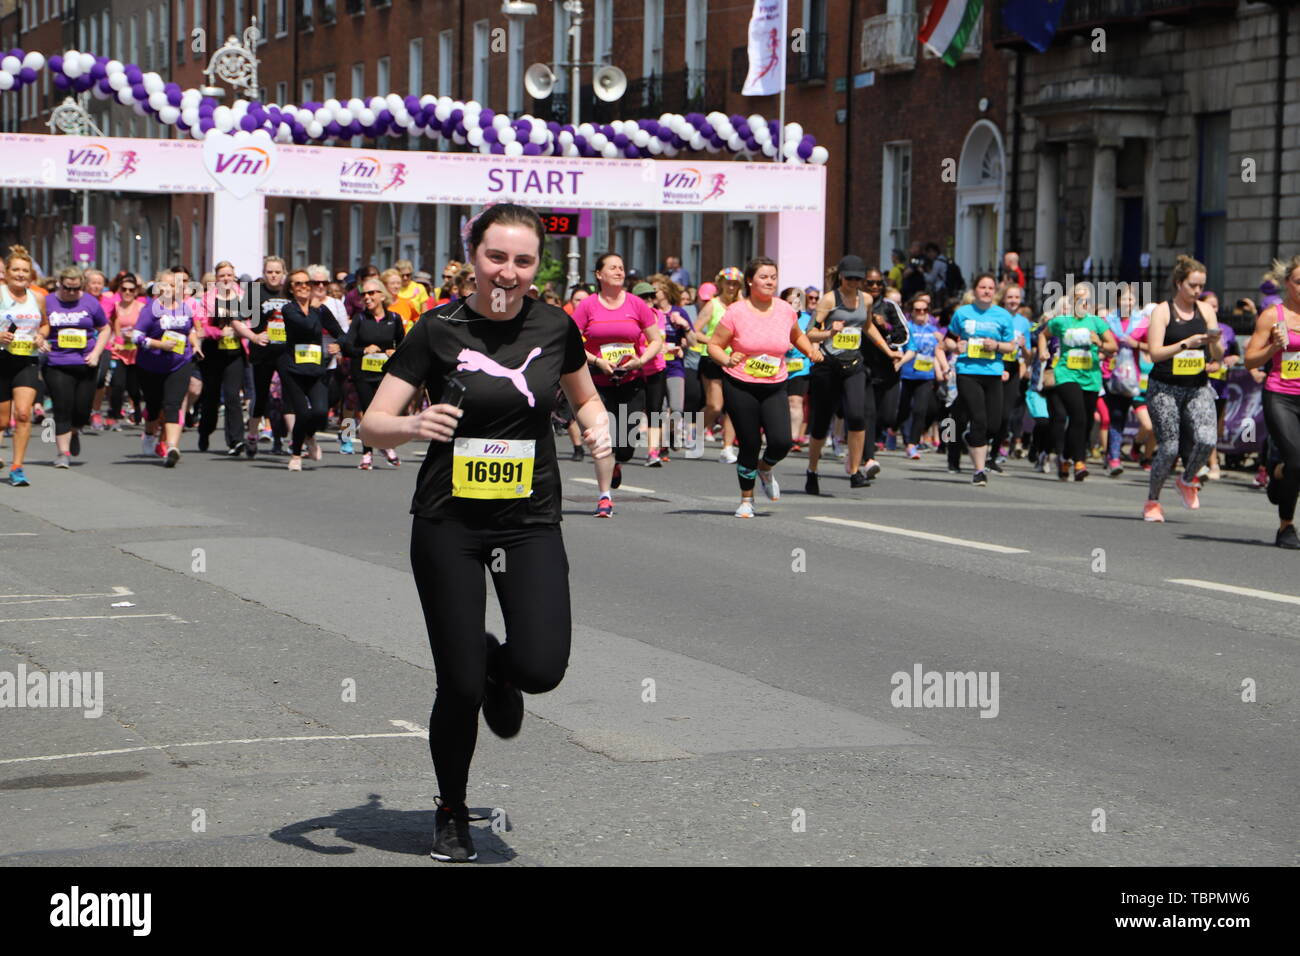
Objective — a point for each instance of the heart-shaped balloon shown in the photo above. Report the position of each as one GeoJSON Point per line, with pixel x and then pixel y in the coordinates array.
{"type": "Point", "coordinates": [238, 163]}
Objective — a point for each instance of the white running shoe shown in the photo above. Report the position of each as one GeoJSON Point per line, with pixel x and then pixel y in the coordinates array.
{"type": "Point", "coordinates": [694, 452]}
{"type": "Point", "coordinates": [147, 443]}
{"type": "Point", "coordinates": [746, 509]}
{"type": "Point", "coordinates": [770, 488]}
{"type": "Point", "coordinates": [728, 456]}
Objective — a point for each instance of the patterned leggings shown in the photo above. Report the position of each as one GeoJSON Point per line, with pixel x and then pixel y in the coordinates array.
{"type": "Point", "coordinates": [1185, 424]}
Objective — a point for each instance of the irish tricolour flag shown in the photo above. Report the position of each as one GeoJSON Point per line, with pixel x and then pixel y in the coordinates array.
{"type": "Point", "coordinates": [949, 26]}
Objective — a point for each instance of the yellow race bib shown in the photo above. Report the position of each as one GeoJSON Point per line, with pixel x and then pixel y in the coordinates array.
{"type": "Point", "coordinates": [848, 339]}
{"type": "Point", "coordinates": [1011, 358]}
{"type": "Point", "coordinates": [616, 352]}
{"type": "Point", "coordinates": [762, 366]}
{"type": "Point", "coordinates": [1290, 365]}
{"type": "Point", "coordinates": [794, 364]}
{"type": "Point", "coordinates": [175, 342]}
{"type": "Point", "coordinates": [374, 362]}
{"type": "Point", "coordinates": [126, 346]}
{"type": "Point", "coordinates": [1142, 382]}
{"type": "Point", "coordinates": [1221, 374]}
{"type": "Point", "coordinates": [23, 344]}
{"type": "Point", "coordinates": [492, 468]}
{"type": "Point", "coordinates": [307, 354]}
{"type": "Point", "coordinates": [72, 338]}
{"type": "Point", "coordinates": [275, 331]}
{"type": "Point", "coordinates": [1079, 360]}
{"type": "Point", "coordinates": [1191, 362]}
{"type": "Point", "coordinates": [228, 341]}
{"type": "Point", "coordinates": [923, 364]}
{"type": "Point", "coordinates": [978, 352]}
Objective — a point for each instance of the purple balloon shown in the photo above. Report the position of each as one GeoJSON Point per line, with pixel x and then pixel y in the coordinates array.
{"type": "Point", "coordinates": [82, 83]}
{"type": "Point", "coordinates": [736, 120]}
{"type": "Point", "coordinates": [498, 148]}
{"type": "Point", "coordinates": [56, 63]}
{"type": "Point", "coordinates": [182, 126]}
{"type": "Point", "coordinates": [27, 75]}
{"type": "Point", "coordinates": [651, 126]}
{"type": "Point", "coordinates": [333, 129]}
{"type": "Point", "coordinates": [695, 119]}
{"type": "Point", "coordinates": [523, 128]}
{"type": "Point", "coordinates": [104, 86]}
{"type": "Point", "coordinates": [580, 141]}
{"type": "Point", "coordinates": [485, 117]}
{"type": "Point", "coordinates": [205, 123]}
{"type": "Point", "coordinates": [16, 52]}
{"type": "Point", "coordinates": [62, 82]}
{"type": "Point", "coordinates": [134, 74]}
{"type": "Point", "coordinates": [249, 122]}
{"type": "Point", "coordinates": [457, 115]}
{"type": "Point", "coordinates": [174, 97]}
{"type": "Point", "coordinates": [632, 152]}
{"type": "Point", "coordinates": [490, 135]}
{"type": "Point", "coordinates": [449, 129]}
{"type": "Point", "coordinates": [556, 128]}
{"type": "Point", "coordinates": [620, 141]}
{"type": "Point", "coordinates": [804, 150]}
{"type": "Point", "coordinates": [532, 149]}
{"type": "Point", "coordinates": [412, 103]}
{"type": "Point", "coordinates": [97, 72]}
{"type": "Point", "coordinates": [139, 93]}
{"type": "Point", "coordinates": [385, 118]}
{"type": "Point", "coordinates": [300, 137]}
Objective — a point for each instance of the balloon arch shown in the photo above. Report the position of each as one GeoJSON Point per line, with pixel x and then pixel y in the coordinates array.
{"type": "Point", "coordinates": [245, 153]}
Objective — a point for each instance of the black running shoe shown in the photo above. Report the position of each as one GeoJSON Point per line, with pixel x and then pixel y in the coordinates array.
{"type": "Point", "coordinates": [618, 477]}
{"type": "Point", "coordinates": [250, 448]}
{"type": "Point", "coordinates": [1286, 538]}
{"type": "Point", "coordinates": [503, 705]}
{"type": "Point", "coordinates": [995, 466]}
{"type": "Point", "coordinates": [811, 486]}
{"type": "Point", "coordinates": [577, 453]}
{"type": "Point", "coordinates": [204, 441]}
{"type": "Point", "coordinates": [453, 842]}
{"type": "Point", "coordinates": [858, 480]}
{"type": "Point", "coordinates": [173, 456]}
{"type": "Point", "coordinates": [74, 443]}
{"type": "Point", "coordinates": [979, 478]}
{"type": "Point", "coordinates": [234, 451]}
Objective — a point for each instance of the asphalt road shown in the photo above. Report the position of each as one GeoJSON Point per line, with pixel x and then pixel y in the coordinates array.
{"type": "Point", "coordinates": [731, 693]}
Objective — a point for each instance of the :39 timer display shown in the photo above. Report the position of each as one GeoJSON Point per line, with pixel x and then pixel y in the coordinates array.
{"type": "Point", "coordinates": [560, 224]}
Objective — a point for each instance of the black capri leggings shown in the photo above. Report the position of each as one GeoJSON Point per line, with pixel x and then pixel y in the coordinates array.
{"type": "Point", "coordinates": [1072, 409]}
{"type": "Point", "coordinates": [263, 372]}
{"type": "Point", "coordinates": [366, 389]}
{"type": "Point", "coordinates": [448, 559]}
{"type": "Point", "coordinates": [622, 402]}
{"type": "Point", "coordinates": [125, 381]}
{"type": "Point", "coordinates": [757, 410]}
{"type": "Point", "coordinates": [72, 390]}
{"type": "Point", "coordinates": [165, 392]}
{"type": "Point", "coordinates": [1282, 416]}
{"type": "Point", "coordinates": [918, 400]}
{"type": "Point", "coordinates": [827, 385]}
{"type": "Point", "coordinates": [223, 375]}
{"type": "Point", "coordinates": [308, 397]}
{"type": "Point", "coordinates": [980, 397]}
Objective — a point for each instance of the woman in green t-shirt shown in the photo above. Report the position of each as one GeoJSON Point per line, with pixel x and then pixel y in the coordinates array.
{"type": "Point", "coordinates": [1078, 378]}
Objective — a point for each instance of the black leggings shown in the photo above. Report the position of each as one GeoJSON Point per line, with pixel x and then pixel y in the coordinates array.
{"type": "Point", "coordinates": [1282, 416]}
{"type": "Point", "coordinates": [72, 390]}
{"type": "Point", "coordinates": [308, 396]}
{"type": "Point", "coordinates": [980, 398]}
{"type": "Point", "coordinates": [263, 372]}
{"type": "Point", "coordinates": [125, 380]}
{"type": "Point", "coordinates": [1013, 405]}
{"type": "Point", "coordinates": [165, 392]}
{"type": "Point", "coordinates": [917, 399]}
{"type": "Point", "coordinates": [882, 412]}
{"type": "Point", "coordinates": [366, 389]}
{"type": "Point", "coordinates": [756, 410]}
{"type": "Point", "coordinates": [622, 402]}
{"type": "Point", "coordinates": [448, 559]}
{"type": "Point", "coordinates": [827, 385]}
{"type": "Point", "coordinates": [1069, 403]}
{"type": "Point", "coordinates": [223, 374]}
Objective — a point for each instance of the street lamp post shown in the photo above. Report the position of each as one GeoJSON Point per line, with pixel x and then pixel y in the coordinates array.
{"type": "Point", "coordinates": [72, 117]}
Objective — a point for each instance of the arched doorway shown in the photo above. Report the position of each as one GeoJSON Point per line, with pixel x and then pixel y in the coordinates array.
{"type": "Point", "coordinates": [980, 195]}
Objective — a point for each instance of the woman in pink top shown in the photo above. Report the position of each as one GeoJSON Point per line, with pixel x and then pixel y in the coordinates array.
{"type": "Point", "coordinates": [123, 378]}
{"type": "Point", "coordinates": [1276, 343]}
{"type": "Point", "coordinates": [759, 329]}
{"type": "Point", "coordinates": [612, 322]}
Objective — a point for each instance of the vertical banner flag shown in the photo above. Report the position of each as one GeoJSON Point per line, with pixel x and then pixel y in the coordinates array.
{"type": "Point", "coordinates": [767, 46]}
{"type": "Point", "coordinates": [949, 25]}
{"type": "Point", "coordinates": [83, 244]}
{"type": "Point", "coordinates": [1035, 20]}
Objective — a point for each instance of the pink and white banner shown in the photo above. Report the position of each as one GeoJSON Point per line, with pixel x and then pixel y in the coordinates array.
{"type": "Point", "coordinates": [767, 46]}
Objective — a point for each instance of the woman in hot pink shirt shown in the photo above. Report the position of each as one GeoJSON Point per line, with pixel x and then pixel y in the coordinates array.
{"type": "Point", "coordinates": [759, 329]}
{"type": "Point", "coordinates": [612, 322]}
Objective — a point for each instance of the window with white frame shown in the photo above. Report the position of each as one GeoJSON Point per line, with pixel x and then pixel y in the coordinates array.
{"type": "Point", "coordinates": [221, 23]}
{"type": "Point", "coordinates": [383, 76]}
{"type": "Point", "coordinates": [308, 91]}
{"type": "Point", "coordinates": [560, 47]}
{"type": "Point", "coordinates": [896, 199]}
{"type": "Point", "coordinates": [82, 35]}
{"type": "Point", "coordinates": [604, 39]}
{"type": "Point", "coordinates": [163, 58]}
{"type": "Point", "coordinates": [328, 87]}
{"type": "Point", "coordinates": [697, 34]}
{"type": "Point", "coordinates": [446, 52]}
{"type": "Point", "coordinates": [281, 19]}
{"type": "Point", "coordinates": [358, 80]}
{"type": "Point", "coordinates": [327, 240]}
{"type": "Point", "coordinates": [180, 31]}
{"type": "Point", "coordinates": [354, 237]}
{"type": "Point", "coordinates": [415, 68]}
{"type": "Point", "coordinates": [135, 40]}
{"type": "Point", "coordinates": [652, 48]}
{"type": "Point", "coordinates": [282, 93]}
{"type": "Point", "coordinates": [515, 82]}
{"type": "Point", "coordinates": [479, 87]}
{"type": "Point", "coordinates": [240, 22]}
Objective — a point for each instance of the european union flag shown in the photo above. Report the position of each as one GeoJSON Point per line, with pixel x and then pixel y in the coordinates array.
{"type": "Point", "coordinates": [1035, 20]}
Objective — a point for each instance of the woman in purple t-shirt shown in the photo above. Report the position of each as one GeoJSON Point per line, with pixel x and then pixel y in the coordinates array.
{"type": "Point", "coordinates": [167, 340]}
{"type": "Point", "coordinates": [78, 333]}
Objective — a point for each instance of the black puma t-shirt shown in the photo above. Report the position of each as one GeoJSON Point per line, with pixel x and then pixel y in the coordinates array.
{"type": "Point", "coordinates": [511, 370]}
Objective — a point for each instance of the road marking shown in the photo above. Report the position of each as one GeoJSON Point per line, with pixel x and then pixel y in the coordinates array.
{"type": "Point", "coordinates": [639, 491]}
{"type": "Point", "coordinates": [1233, 589]}
{"type": "Point", "coordinates": [923, 535]}
{"type": "Point", "coordinates": [19, 534]}
{"type": "Point", "coordinates": [118, 591]}
{"type": "Point", "coordinates": [89, 617]}
{"type": "Point", "coordinates": [408, 730]}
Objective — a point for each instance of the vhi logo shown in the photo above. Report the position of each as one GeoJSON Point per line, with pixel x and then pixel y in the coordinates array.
{"type": "Point", "coordinates": [364, 168]}
{"type": "Point", "coordinates": [239, 163]}
{"type": "Point", "coordinates": [245, 161]}
{"type": "Point", "coordinates": [94, 155]}
{"type": "Point", "coordinates": [93, 164]}
{"type": "Point", "coordinates": [688, 178]}
{"type": "Point", "coordinates": [688, 186]}
{"type": "Point", "coordinates": [495, 448]}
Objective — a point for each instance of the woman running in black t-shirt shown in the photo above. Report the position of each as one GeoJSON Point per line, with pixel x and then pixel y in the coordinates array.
{"type": "Point", "coordinates": [488, 494]}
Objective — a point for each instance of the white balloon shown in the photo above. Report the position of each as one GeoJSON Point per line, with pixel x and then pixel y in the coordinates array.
{"type": "Point", "coordinates": [697, 141]}
{"type": "Point", "coordinates": [474, 136]}
{"type": "Point", "coordinates": [169, 115]}
{"type": "Point", "coordinates": [223, 118]}
{"type": "Point", "coordinates": [769, 149]}
{"type": "Point", "coordinates": [355, 106]}
{"type": "Point", "coordinates": [458, 139]}
{"type": "Point", "coordinates": [711, 148]}
{"type": "Point", "coordinates": [157, 100]}
{"type": "Point", "coordinates": [242, 136]}
{"type": "Point", "coordinates": [197, 133]}
{"type": "Point", "coordinates": [597, 141]}
{"type": "Point", "coordinates": [565, 138]}
{"type": "Point", "coordinates": [665, 118]}
{"type": "Point", "coordinates": [443, 101]}
{"type": "Point", "coordinates": [485, 148]}
{"type": "Point", "coordinates": [793, 131]}
{"type": "Point", "coordinates": [138, 107]}
{"type": "Point", "coordinates": [118, 81]}
{"type": "Point", "coordinates": [656, 148]}
{"type": "Point", "coordinates": [153, 83]}
{"type": "Point", "coordinates": [6, 80]}
{"type": "Point", "coordinates": [403, 119]}
{"type": "Point", "coordinates": [539, 134]}
{"type": "Point", "coordinates": [72, 69]}
{"type": "Point", "coordinates": [611, 151]}
{"type": "Point", "coordinates": [343, 116]}
{"type": "Point", "coordinates": [190, 115]}
{"type": "Point", "coordinates": [500, 120]}
{"type": "Point", "coordinates": [819, 155]}
{"type": "Point", "coordinates": [641, 138]}
{"type": "Point", "coordinates": [191, 98]}
{"type": "Point", "coordinates": [506, 135]}
{"type": "Point", "coordinates": [34, 60]}
{"type": "Point", "coordinates": [114, 66]}
{"type": "Point", "coordinates": [763, 136]}
{"type": "Point", "coordinates": [124, 96]}
{"type": "Point", "coordinates": [586, 130]}
{"type": "Point", "coordinates": [315, 130]}
{"type": "Point", "coordinates": [95, 91]}
{"type": "Point", "coordinates": [366, 117]}
{"type": "Point", "coordinates": [377, 104]}
{"type": "Point", "coordinates": [322, 116]}
{"type": "Point", "coordinates": [441, 113]}
{"type": "Point", "coordinates": [514, 149]}
{"type": "Point", "coordinates": [755, 121]}
{"type": "Point", "coordinates": [670, 150]}
{"type": "Point", "coordinates": [735, 144]}
{"type": "Point", "coordinates": [87, 62]}
{"type": "Point", "coordinates": [790, 150]}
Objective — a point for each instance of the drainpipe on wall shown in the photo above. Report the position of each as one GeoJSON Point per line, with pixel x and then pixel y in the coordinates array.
{"type": "Point", "coordinates": [848, 130]}
{"type": "Point", "coordinates": [1013, 207]}
{"type": "Point", "coordinates": [1283, 28]}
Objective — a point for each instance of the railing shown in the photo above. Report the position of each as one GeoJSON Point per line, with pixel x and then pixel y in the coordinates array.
{"type": "Point", "coordinates": [1083, 15]}
{"type": "Point", "coordinates": [889, 42]}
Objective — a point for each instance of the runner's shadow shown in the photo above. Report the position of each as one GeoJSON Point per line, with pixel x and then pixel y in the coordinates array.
{"type": "Point", "coordinates": [1247, 541]}
{"type": "Point", "coordinates": [390, 831]}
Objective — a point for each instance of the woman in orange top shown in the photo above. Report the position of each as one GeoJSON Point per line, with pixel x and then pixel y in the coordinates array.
{"type": "Point", "coordinates": [403, 308]}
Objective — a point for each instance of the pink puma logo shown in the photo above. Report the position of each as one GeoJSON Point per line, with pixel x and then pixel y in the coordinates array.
{"type": "Point", "coordinates": [478, 362]}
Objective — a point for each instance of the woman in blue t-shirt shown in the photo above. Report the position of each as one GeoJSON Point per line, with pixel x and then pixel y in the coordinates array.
{"type": "Point", "coordinates": [983, 332]}
{"type": "Point", "coordinates": [925, 364]}
{"type": "Point", "coordinates": [797, 368]}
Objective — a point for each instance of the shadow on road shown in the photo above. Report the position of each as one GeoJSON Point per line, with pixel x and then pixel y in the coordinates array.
{"type": "Point", "coordinates": [391, 831]}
